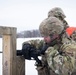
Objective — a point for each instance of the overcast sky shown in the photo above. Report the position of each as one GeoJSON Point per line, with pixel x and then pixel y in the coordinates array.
{"type": "Point", "coordinates": [28, 14]}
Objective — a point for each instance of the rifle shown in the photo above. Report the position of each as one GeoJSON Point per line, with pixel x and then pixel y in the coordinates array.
{"type": "Point", "coordinates": [29, 52]}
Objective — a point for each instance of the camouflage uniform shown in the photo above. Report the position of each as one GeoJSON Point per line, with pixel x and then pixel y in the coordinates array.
{"type": "Point", "coordinates": [60, 57]}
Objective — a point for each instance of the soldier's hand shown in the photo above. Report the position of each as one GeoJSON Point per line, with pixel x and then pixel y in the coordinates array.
{"type": "Point", "coordinates": [26, 50]}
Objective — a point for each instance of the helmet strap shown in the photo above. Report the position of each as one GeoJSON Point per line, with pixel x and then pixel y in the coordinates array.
{"type": "Point", "coordinates": [54, 39]}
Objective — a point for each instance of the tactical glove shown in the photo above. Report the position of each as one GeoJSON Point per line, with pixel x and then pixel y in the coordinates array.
{"type": "Point", "coordinates": [26, 51]}
{"type": "Point", "coordinates": [30, 51]}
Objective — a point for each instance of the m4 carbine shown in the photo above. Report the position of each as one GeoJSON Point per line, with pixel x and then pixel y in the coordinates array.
{"type": "Point", "coordinates": [29, 51]}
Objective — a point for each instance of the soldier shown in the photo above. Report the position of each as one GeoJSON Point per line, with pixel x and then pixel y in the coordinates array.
{"type": "Point", "coordinates": [58, 50]}
{"type": "Point", "coordinates": [58, 13]}
{"type": "Point", "coordinates": [61, 54]}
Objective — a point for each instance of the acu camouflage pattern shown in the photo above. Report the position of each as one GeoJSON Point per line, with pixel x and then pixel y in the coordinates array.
{"type": "Point", "coordinates": [58, 13]}
{"type": "Point", "coordinates": [36, 43]}
{"type": "Point", "coordinates": [51, 25]}
{"type": "Point", "coordinates": [62, 64]}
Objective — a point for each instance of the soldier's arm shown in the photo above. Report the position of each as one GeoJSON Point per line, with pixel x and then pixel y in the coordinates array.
{"type": "Point", "coordinates": [31, 49]}
{"type": "Point", "coordinates": [36, 43]}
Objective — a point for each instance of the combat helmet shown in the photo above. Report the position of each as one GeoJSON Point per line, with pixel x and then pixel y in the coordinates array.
{"type": "Point", "coordinates": [51, 25]}
{"type": "Point", "coordinates": [56, 12]}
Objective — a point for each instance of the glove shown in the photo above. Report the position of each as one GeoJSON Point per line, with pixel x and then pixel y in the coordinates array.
{"type": "Point", "coordinates": [26, 51]}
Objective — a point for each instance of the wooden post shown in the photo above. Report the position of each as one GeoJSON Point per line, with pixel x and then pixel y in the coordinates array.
{"type": "Point", "coordinates": [20, 65]}
{"type": "Point", "coordinates": [10, 60]}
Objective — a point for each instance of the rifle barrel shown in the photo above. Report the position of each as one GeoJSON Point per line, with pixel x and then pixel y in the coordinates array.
{"type": "Point", "coordinates": [1, 52]}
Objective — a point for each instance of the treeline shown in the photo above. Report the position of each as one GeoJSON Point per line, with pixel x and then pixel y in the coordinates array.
{"type": "Point", "coordinates": [28, 34]}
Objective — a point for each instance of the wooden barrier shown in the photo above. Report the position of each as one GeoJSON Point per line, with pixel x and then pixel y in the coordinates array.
{"type": "Point", "coordinates": [12, 64]}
